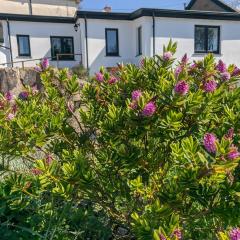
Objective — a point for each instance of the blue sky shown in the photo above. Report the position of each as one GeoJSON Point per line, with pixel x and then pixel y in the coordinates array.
{"type": "Point", "coordinates": [130, 5]}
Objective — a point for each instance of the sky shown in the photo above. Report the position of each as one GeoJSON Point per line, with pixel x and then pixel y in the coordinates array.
{"type": "Point", "coordinates": [130, 5]}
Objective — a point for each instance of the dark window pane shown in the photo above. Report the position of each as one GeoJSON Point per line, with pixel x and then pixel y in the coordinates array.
{"type": "Point", "coordinates": [200, 39]}
{"type": "Point", "coordinates": [112, 41]}
{"type": "Point", "coordinates": [56, 47]}
{"type": "Point", "coordinates": [139, 40]}
{"type": "Point", "coordinates": [23, 45]}
{"type": "Point", "coordinates": [212, 39]}
{"type": "Point", "coordinates": [63, 47]}
{"type": "Point", "coordinates": [1, 33]}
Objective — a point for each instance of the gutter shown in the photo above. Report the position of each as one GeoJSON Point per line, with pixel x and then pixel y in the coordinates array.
{"type": "Point", "coordinates": [10, 44]}
{"type": "Point", "coordinates": [86, 38]}
{"type": "Point", "coordinates": [30, 7]}
{"type": "Point", "coordinates": [154, 33]}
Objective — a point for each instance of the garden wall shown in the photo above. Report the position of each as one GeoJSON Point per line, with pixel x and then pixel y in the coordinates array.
{"type": "Point", "coordinates": [16, 79]}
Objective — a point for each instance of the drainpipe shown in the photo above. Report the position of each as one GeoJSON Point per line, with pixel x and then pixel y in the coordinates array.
{"type": "Point", "coordinates": [10, 44]}
{"type": "Point", "coordinates": [30, 7]}
{"type": "Point", "coordinates": [154, 33]}
{"type": "Point", "coordinates": [86, 36]}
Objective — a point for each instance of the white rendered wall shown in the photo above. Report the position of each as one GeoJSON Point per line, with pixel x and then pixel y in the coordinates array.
{"type": "Point", "coordinates": [4, 53]}
{"type": "Point", "coordinates": [40, 43]}
{"type": "Point", "coordinates": [182, 32]}
{"type": "Point", "coordinates": [97, 43]}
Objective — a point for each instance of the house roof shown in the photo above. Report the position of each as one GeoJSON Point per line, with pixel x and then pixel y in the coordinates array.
{"type": "Point", "coordinates": [144, 12]}
{"type": "Point", "coordinates": [35, 18]}
{"type": "Point", "coordinates": [219, 3]}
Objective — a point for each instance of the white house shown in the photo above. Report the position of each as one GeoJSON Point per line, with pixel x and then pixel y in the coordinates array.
{"type": "Point", "coordinates": [107, 38]}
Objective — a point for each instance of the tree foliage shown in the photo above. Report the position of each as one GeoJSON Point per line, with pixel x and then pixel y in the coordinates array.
{"type": "Point", "coordinates": [144, 152]}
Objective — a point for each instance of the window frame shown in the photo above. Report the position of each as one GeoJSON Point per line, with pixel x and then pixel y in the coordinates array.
{"type": "Point", "coordinates": [72, 57]}
{"type": "Point", "coordinates": [110, 54]}
{"type": "Point", "coordinates": [206, 27]}
{"type": "Point", "coordinates": [29, 46]}
{"type": "Point", "coordinates": [139, 41]}
{"type": "Point", "coordinates": [2, 38]}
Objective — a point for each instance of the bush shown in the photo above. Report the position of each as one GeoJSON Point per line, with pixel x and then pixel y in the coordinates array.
{"type": "Point", "coordinates": [148, 152]}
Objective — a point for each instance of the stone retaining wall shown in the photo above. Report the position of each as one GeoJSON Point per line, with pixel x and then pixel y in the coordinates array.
{"type": "Point", "coordinates": [16, 79]}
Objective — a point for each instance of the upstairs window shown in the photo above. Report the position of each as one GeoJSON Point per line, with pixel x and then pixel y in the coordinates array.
{"type": "Point", "coordinates": [62, 47]}
{"type": "Point", "coordinates": [112, 45]}
{"type": "Point", "coordinates": [207, 39]}
{"type": "Point", "coordinates": [139, 41]}
{"type": "Point", "coordinates": [23, 46]}
{"type": "Point", "coordinates": [1, 34]}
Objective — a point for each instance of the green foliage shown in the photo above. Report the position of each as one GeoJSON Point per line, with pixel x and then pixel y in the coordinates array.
{"type": "Point", "coordinates": [103, 163]}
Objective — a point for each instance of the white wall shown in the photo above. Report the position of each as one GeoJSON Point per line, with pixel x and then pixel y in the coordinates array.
{"type": "Point", "coordinates": [4, 53]}
{"type": "Point", "coordinates": [97, 43]}
{"type": "Point", "coordinates": [40, 44]}
{"type": "Point", "coordinates": [182, 32]}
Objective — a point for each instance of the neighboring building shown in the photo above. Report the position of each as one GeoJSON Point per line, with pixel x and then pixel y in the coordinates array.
{"type": "Point", "coordinates": [63, 8]}
{"type": "Point", "coordinates": [107, 38]}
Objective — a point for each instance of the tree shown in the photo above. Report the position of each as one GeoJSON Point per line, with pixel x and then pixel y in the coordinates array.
{"type": "Point", "coordinates": [148, 152]}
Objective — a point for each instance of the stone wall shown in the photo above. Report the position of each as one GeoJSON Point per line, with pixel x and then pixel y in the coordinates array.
{"type": "Point", "coordinates": [16, 79]}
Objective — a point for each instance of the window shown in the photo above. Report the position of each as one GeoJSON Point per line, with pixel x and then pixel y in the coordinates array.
{"type": "Point", "coordinates": [207, 39]}
{"type": "Point", "coordinates": [62, 45]}
{"type": "Point", "coordinates": [139, 41]}
{"type": "Point", "coordinates": [1, 34]}
{"type": "Point", "coordinates": [23, 45]}
{"type": "Point", "coordinates": [112, 47]}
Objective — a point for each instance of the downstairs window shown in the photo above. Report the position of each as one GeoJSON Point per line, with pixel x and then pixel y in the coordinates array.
{"type": "Point", "coordinates": [207, 39]}
{"type": "Point", "coordinates": [62, 47]}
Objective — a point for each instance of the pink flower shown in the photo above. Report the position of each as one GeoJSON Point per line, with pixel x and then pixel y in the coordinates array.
{"type": "Point", "coordinates": [185, 59]}
{"type": "Point", "coordinates": [8, 96]}
{"type": "Point", "coordinates": [221, 66]}
{"type": "Point", "coordinates": [136, 95]}
{"type": "Point", "coordinates": [142, 62]}
{"type": "Point", "coordinates": [193, 66]}
{"type": "Point", "coordinates": [10, 117]}
{"type": "Point", "coordinates": [162, 237]}
{"type": "Point", "coordinates": [99, 77]}
{"type": "Point", "coordinates": [36, 171]}
{"type": "Point", "coordinates": [178, 234]}
{"type": "Point", "coordinates": [234, 234]}
{"type": "Point", "coordinates": [236, 72]}
{"type": "Point", "coordinates": [38, 69]}
{"type": "Point", "coordinates": [233, 153]}
{"type": "Point", "coordinates": [149, 109]}
{"type": "Point", "coordinates": [49, 159]}
{"type": "Point", "coordinates": [182, 88]}
{"type": "Point", "coordinates": [210, 86]}
{"type": "Point", "coordinates": [23, 95]}
{"type": "Point", "coordinates": [112, 80]}
{"type": "Point", "coordinates": [14, 109]}
{"type": "Point", "coordinates": [229, 134]}
{"type": "Point", "coordinates": [209, 142]}
{"type": "Point", "coordinates": [178, 70]}
{"type": "Point", "coordinates": [167, 56]}
{"type": "Point", "coordinates": [45, 63]}
{"type": "Point", "coordinates": [225, 76]}
{"type": "Point", "coordinates": [133, 105]}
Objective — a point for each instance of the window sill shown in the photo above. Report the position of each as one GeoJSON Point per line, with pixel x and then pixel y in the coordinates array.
{"type": "Point", "coordinates": [112, 56]}
{"type": "Point", "coordinates": [139, 55]}
{"type": "Point", "coordinates": [206, 53]}
{"type": "Point", "coordinates": [63, 60]}
{"type": "Point", "coordinates": [24, 56]}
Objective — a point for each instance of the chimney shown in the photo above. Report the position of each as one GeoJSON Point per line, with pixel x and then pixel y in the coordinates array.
{"type": "Point", "coordinates": [107, 9]}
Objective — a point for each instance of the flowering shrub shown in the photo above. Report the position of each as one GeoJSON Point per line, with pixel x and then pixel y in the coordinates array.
{"type": "Point", "coordinates": [148, 152]}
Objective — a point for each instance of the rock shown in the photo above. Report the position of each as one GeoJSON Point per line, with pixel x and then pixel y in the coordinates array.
{"type": "Point", "coordinates": [16, 79]}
